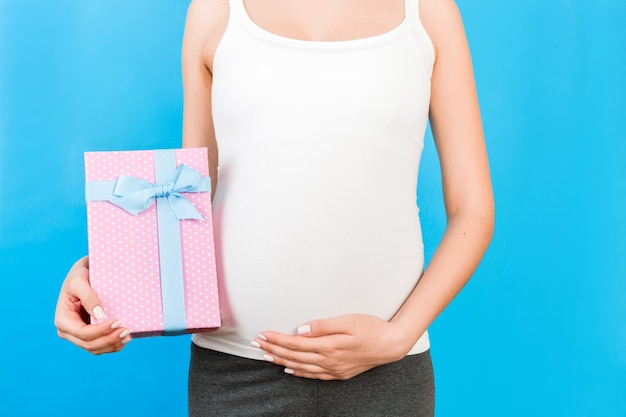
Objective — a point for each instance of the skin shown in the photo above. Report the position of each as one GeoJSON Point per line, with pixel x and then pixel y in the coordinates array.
{"type": "Point", "coordinates": [75, 299]}
{"type": "Point", "coordinates": [345, 346]}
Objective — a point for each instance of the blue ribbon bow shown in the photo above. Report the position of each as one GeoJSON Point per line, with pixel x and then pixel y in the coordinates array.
{"type": "Point", "coordinates": [135, 195]}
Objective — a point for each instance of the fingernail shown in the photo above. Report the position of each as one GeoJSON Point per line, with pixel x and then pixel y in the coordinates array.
{"type": "Point", "coordinates": [304, 329]}
{"type": "Point", "coordinates": [255, 344]}
{"type": "Point", "coordinates": [289, 371]}
{"type": "Point", "coordinates": [124, 333]}
{"type": "Point", "coordinates": [262, 336]}
{"type": "Point", "coordinates": [98, 313]}
{"type": "Point", "coordinates": [268, 358]}
{"type": "Point", "coordinates": [124, 341]}
{"type": "Point", "coordinates": [116, 324]}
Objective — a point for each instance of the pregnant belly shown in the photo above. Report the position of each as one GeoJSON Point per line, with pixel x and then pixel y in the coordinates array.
{"type": "Point", "coordinates": [277, 272]}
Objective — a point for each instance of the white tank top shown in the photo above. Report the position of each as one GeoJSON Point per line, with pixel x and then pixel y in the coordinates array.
{"type": "Point", "coordinates": [319, 146]}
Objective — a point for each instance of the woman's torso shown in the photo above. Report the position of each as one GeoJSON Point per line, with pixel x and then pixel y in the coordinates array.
{"type": "Point", "coordinates": [319, 147]}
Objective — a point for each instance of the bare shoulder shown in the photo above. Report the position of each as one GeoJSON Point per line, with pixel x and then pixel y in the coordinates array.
{"type": "Point", "coordinates": [205, 25]}
{"type": "Point", "coordinates": [442, 21]}
{"type": "Point", "coordinates": [205, 13]}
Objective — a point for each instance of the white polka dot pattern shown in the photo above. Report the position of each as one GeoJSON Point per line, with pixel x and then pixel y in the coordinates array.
{"type": "Point", "coordinates": [124, 250]}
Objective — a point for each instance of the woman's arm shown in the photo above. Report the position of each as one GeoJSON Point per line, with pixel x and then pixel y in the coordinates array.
{"type": "Point", "coordinates": [343, 347]}
{"type": "Point", "coordinates": [468, 197]}
{"type": "Point", "coordinates": [206, 22]}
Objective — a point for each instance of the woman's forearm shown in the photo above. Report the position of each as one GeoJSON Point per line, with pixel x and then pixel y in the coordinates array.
{"type": "Point", "coordinates": [462, 246]}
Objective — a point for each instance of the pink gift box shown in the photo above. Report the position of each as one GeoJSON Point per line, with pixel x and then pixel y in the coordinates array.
{"type": "Point", "coordinates": [151, 250]}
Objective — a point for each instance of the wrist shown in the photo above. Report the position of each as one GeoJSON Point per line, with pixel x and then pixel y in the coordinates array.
{"type": "Point", "coordinates": [401, 341]}
{"type": "Point", "coordinates": [408, 330]}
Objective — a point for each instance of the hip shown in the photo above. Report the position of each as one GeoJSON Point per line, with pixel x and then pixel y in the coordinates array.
{"type": "Point", "coordinates": [222, 384]}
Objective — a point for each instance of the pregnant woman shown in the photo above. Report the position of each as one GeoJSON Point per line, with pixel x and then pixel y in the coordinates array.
{"type": "Point", "coordinates": [314, 114]}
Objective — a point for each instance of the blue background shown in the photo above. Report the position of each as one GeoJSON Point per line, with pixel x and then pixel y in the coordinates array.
{"type": "Point", "coordinates": [540, 329]}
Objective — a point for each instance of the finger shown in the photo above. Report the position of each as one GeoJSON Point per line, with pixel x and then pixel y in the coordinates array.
{"type": "Point", "coordinates": [290, 342]}
{"type": "Point", "coordinates": [88, 332]}
{"type": "Point", "coordinates": [111, 342]}
{"type": "Point", "coordinates": [311, 375]}
{"type": "Point", "coordinates": [69, 319]}
{"type": "Point", "coordinates": [286, 357]}
{"type": "Point", "coordinates": [300, 368]}
{"type": "Point", "coordinates": [324, 345]}
{"type": "Point", "coordinates": [313, 364]}
{"type": "Point", "coordinates": [316, 328]}
{"type": "Point", "coordinates": [290, 354]}
{"type": "Point", "coordinates": [325, 374]}
{"type": "Point", "coordinates": [91, 332]}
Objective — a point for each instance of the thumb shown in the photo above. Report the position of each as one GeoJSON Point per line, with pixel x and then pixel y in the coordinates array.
{"type": "Point", "coordinates": [325, 327]}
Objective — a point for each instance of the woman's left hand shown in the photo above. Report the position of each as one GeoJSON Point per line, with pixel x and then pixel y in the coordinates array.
{"type": "Point", "coordinates": [337, 348]}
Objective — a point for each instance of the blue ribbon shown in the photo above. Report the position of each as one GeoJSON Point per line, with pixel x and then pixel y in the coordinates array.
{"type": "Point", "coordinates": [135, 195]}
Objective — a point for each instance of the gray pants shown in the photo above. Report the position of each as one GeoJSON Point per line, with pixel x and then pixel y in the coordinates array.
{"type": "Point", "coordinates": [225, 385]}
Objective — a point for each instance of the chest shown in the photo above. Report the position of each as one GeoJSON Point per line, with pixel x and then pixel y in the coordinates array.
{"type": "Point", "coordinates": [326, 20]}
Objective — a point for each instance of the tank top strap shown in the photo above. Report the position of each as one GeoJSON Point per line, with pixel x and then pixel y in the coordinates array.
{"type": "Point", "coordinates": [237, 10]}
{"type": "Point", "coordinates": [411, 9]}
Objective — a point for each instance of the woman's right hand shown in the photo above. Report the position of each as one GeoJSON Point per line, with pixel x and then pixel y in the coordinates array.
{"type": "Point", "coordinates": [76, 301]}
